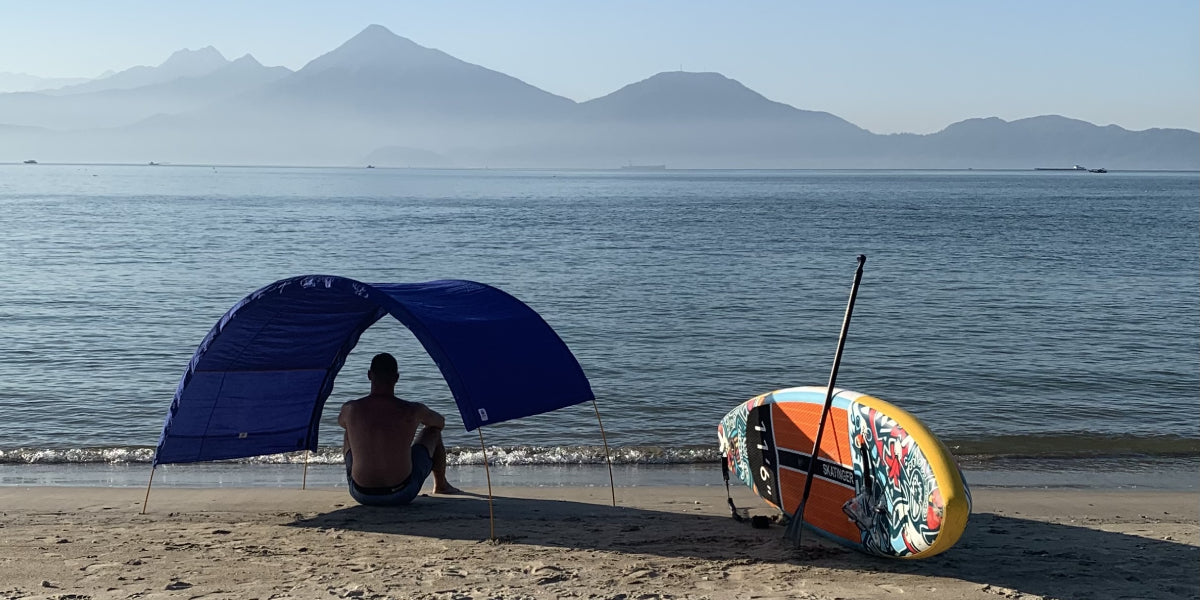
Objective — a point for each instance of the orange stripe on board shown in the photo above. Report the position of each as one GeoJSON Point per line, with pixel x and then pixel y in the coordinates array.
{"type": "Point", "coordinates": [795, 427]}
{"type": "Point", "coordinates": [824, 508]}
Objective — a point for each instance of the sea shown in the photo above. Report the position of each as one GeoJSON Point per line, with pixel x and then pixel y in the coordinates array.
{"type": "Point", "coordinates": [1044, 325]}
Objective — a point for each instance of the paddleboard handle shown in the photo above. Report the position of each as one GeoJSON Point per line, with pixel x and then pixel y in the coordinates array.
{"type": "Point", "coordinates": [795, 526]}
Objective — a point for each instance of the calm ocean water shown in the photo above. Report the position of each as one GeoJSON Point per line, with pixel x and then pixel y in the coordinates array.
{"type": "Point", "coordinates": [1045, 315]}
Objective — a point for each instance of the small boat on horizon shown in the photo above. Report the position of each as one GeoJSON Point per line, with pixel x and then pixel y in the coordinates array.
{"type": "Point", "coordinates": [633, 167]}
{"type": "Point", "coordinates": [31, 162]}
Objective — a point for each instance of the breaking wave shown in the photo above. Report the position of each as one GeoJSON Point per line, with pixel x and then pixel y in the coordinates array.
{"type": "Point", "coordinates": [498, 455]}
{"type": "Point", "coordinates": [972, 451]}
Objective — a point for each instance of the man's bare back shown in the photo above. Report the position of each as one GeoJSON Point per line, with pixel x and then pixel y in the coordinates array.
{"type": "Point", "coordinates": [379, 433]}
{"type": "Point", "coordinates": [379, 441]}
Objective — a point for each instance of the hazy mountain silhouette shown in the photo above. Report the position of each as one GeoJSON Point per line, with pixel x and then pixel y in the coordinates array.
{"type": "Point", "coordinates": [382, 99]}
{"type": "Point", "coordinates": [376, 90]}
{"type": "Point", "coordinates": [113, 107]}
{"type": "Point", "coordinates": [22, 82]}
{"type": "Point", "coordinates": [704, 120]}
{"type": "Point", "coordinates": [1046, 141]}
{"type": "Point", "coordinates": [183, 63]}
{"type": "Point", "coordinates": [680, 95]}
{"type": "Point", "coordinates": [380, 73]}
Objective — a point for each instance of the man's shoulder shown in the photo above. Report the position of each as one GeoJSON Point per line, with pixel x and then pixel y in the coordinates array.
{"type": "Point", "coordinates": [394, 401]}
{"type": "Point", "coordinates": [365, 403]}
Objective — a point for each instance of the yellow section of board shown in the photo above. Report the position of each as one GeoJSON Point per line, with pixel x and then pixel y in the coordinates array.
{"type": "Point", "coordinates": [945, 471]}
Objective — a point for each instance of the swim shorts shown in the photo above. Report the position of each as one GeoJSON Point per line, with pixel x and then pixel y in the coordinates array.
{"type": "Point", "coordinates": [397, 495]}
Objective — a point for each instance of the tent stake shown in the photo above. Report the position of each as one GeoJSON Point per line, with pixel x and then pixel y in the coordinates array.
{"type": "Point", "coordinates": [148, 483]}
{"type": "Point", "coordinates": [304, 482]}
{"type": "Point", "coordinates": [607, 458]}
{"type": "Point", "coordinates": [491, 511]}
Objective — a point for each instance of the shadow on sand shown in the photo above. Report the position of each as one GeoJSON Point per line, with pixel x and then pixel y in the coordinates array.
{"type": "Point", "coordinates": [1026, 556]}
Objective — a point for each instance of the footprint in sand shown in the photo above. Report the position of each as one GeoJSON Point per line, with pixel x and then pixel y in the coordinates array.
{"type": "Point", "coordinates": [547, 574]}
{"type": "Point", "coordinates": [451, 572]}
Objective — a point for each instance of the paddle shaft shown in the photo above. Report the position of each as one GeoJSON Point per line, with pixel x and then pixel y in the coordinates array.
{"type": "Point", "coordinates": [796, 525]}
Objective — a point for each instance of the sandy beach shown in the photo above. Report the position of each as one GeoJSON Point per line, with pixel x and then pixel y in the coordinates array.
{"type": "Point", "coordinates": [570, 542]}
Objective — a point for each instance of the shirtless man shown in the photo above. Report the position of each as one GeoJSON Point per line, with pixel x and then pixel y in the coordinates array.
{"type": "Point", "coordinates": [381, 467]}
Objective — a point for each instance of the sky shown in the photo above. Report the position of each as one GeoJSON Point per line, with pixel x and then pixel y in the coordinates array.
{"type": "Point", "coordinates": [914, 66]}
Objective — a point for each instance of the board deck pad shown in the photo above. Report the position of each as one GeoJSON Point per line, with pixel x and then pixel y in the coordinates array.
{"type": "Point", "coordinates": [882, 484]}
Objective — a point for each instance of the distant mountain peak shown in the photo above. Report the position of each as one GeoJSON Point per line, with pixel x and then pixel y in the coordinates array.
{"type": "Point", "coordinates": [206, 57]}
{"type": "Point", "coordinates": [690, 76]}
{"type": "Point", "coordinates": [376, 30]}
{"type": "Point", "coordinates": [678, 93]}
{"type": "Point", "coordinates": [995, 125]}
{"type": "Point", "coordinates": [247, 60]}
{"type": "Point", "coordinates": [181, 63]}
{"type": "Point", "coordinates": [377, 38]}
{"type": "Point", "coordinates": [692, 82]}
{"type": "Point", "coordinates": [377, 46]}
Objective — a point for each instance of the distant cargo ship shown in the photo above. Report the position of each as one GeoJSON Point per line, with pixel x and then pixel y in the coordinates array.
{"type": "Point", "coordinates": [633, 167]}
{"type": "Point", "coordinates": [31, 162]}
{"type": "Point", "coordinates": [1074, 168]}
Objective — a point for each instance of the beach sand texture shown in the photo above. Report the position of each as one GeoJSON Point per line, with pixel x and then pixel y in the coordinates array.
{"type": "Point", "coordinates": [569, 542]}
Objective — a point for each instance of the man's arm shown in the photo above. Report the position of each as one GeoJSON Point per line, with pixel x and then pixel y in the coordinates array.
{"type": "Point", "coordinates": [342, 416]}
{"type": "Point", "coordinates": [430, 418]}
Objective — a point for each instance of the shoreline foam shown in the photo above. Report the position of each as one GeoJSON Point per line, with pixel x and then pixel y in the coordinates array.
{"type": "Point", "coordinates": [1100, 474]}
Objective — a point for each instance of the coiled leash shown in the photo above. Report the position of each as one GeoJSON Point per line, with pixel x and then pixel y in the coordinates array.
{"type": "Point", "coordinates": [757, 521]}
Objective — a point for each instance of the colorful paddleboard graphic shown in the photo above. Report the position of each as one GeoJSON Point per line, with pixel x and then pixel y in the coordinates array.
{"type": "Point", "coordinates": [883, 484]}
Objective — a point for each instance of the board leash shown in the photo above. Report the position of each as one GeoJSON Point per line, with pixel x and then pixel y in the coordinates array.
{"type": "Point", "coordinates": [756, 521]}
{"type": "Point", "coordinates": [728, 495]}
{"type": "Point", "coordinates": [795, 527]}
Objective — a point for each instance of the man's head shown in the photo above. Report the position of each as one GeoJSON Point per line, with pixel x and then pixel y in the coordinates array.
{"type": "Point", "coordinates": [383, 369]}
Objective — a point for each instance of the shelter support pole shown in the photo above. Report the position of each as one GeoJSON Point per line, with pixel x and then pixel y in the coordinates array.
{"type": "Point", "coordinates": [491, 511]}
{"type": "Point", "coordinates": [612, 486]}
{"type": "Point", "coordinates": [148, 484]}
{"type": "Point", "coordinates": [304, 481]}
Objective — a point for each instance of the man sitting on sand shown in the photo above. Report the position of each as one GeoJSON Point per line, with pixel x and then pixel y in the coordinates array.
{"type": "Point", "coordinates": [381, 467]}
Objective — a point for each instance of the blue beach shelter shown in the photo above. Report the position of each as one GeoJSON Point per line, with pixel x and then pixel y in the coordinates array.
{"type": "Point", "coordinates": [258, 382]}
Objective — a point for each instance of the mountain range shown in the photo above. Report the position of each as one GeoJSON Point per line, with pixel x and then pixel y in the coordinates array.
{"type": "Point", "coordinates": [382, 99]}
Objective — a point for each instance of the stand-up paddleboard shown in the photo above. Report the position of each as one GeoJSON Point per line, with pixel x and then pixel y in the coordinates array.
{"type": "Point", "coordinates": [883, 483]}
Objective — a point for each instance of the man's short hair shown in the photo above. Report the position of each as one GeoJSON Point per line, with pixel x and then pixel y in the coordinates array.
{"type": "Point", "coordinates": [385, 364]}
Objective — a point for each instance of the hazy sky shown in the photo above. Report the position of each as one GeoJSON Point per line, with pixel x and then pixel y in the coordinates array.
{"type": "Point", "coordinates": [915, 66]}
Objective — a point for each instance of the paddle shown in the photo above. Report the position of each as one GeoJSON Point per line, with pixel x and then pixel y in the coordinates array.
{"type": "Point", "coordinates": [796, 524]}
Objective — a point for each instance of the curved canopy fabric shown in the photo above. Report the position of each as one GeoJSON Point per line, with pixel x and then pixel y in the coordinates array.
{"type": "Point", "coordinates": [258, 382]}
